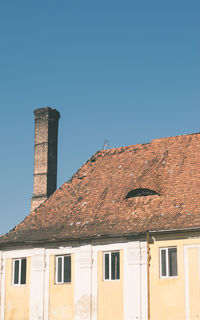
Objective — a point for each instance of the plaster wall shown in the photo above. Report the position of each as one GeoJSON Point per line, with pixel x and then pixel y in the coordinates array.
{"type": "Point", "coordinates": [176, 298]}
{"type": "Point", "coordinates": [194, 281]}
{"type": "Point", "coordinates": [61, 296]}
{"type": "Point", "coordinates": [17, 296]}
{"type": "Point", "coordinates": [110, 293]}
{"type": "Point", "coordinates": [88, 296]}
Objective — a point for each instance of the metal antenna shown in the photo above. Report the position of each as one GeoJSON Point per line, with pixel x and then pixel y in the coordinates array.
{"type": "Point", "coordinates": [106, 144]}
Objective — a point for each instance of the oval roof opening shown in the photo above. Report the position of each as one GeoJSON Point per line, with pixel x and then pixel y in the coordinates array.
{"type": "Point", "coordinates": [140, 192]}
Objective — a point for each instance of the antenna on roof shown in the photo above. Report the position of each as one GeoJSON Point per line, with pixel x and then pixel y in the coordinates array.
{"type": "Point", "coordinates": [106, 145]}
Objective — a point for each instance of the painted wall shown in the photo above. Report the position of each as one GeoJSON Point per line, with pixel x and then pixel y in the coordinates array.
{"type": "Point", "coordinates": [88, 297]}
{"type": "Point", "coordinates": [17, 297]}
{"type": "Point", "coordinates": [179, 297]}
{"type": "Point", "coordinates": [194, 281]}
{"type": "Point", "coordinates": [110, 293]}
{"type": "Point", "coordinates": [61, 296]}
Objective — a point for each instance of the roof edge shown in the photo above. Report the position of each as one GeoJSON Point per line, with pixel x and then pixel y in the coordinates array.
{"type": "Point", "coordinates": [96, 237]}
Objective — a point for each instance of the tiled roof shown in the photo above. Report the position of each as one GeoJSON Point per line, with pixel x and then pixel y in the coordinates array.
{"type": "Point", "coordinates": [93, 204]}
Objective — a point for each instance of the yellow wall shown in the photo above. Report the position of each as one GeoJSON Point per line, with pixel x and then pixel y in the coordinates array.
{"type": "Point", "coordinates": [167, 295]}
{"type": "Point", "coordinates": [194, 288]}
{"type": "Point", "coordinates": [17, 297]}
{"type": "Point", "coordinates": [61, 296]}
{"type": "Point", "coordinates": [110, 293]}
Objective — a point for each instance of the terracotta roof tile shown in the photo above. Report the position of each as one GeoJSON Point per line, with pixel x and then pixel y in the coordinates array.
{"type": "Point", "coordinates": [93, 203]}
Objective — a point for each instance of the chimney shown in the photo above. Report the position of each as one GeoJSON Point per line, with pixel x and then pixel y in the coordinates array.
{"type": "Point", "coordinates": [45, 155]}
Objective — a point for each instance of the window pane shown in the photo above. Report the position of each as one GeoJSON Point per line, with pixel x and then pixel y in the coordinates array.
{"type": "Point", "coordinates": [23, 271]}
{"type": "Point", "coordinates": [67, 269]}
{"type": "Point", "coordinates": [172, 256]}
{"type": "Point", "coordinates": [106, 266]}
{"type": "Point", "coordinates": [16, 272]}
{"type": "Point", "coordinates": [59, 271]}
{"type": "Point", "coordinates": [163, 263]}
{"type": "Point", "coordinates": [114, 265]}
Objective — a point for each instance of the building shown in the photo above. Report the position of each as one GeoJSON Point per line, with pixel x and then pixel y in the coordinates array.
{"type": "Point", "coordinates": [120, 240]}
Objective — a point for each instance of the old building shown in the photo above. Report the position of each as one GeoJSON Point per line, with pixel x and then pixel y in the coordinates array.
{"type": "Point", "coordinates": [120, 240]}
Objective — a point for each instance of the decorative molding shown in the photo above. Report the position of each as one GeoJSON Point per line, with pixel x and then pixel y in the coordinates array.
{"type": "Point", "coordinates": [1, 264]}
{"type": "Point", "coordinates": [85, 258]}
{"type": "Point", "coordinates": [3, 285]}
{"type": "Point", "coordinates": [83, 283]}
{"type": "Point", "coordinates": [134, 255]}
{"type": "Point", "coordinates": [37, 279]}
{"type": "Point", "coordinates": [46, 287]}
{"type": "Point", "coordinates": [38, 263]}
{"type": "Point", "coordinates": [135, 281]}
{"type": "Point", "coordinates": [144, 254]}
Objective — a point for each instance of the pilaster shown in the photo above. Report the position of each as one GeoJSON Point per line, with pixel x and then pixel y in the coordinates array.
{"type": "Point", "coordinates": [2, 284]}
{"type": "Point", "coordinates": [37, 285]}
{"type": "Point", "coordinates": [83, 283]}
{"type": "Point", "coordinates": [135, 284]}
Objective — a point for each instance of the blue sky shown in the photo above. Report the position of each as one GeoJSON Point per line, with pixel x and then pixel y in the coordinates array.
{"type": "Point", "coordinates": [127, 71]}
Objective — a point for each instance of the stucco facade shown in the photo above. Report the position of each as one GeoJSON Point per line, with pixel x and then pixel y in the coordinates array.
{"type": "Point", "coordinates": [88, 295]}
{"type": "Point", "coordinates": [177, 297]}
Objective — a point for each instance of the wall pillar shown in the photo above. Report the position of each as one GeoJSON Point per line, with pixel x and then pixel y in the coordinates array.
{"type": "Point", "coordinates": [83, 283]}
{"type": "Point", "coordinates": [2, 286]}
{"type": "Point", "coordinates": [135, 284]}
{"type": "Point", "coordinates": [144, 284]}
{"type": "Point", "coordinates": [37, 285]}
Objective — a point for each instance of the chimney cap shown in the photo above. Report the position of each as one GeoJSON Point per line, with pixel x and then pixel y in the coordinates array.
{"type": "Point", "coordinates": [46, 111]}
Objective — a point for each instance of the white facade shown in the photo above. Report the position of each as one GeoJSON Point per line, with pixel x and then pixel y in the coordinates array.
{"type": "Point", "coordinates": [85, 279]}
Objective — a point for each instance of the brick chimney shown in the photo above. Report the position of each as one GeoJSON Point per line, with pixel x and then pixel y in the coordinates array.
{"type": "Point", "coordinates": [45, 155]}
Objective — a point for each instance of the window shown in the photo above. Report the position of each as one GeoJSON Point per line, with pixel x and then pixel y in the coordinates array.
{"type": "Point", "coordinates": [168, 262]}
{"type": "Point", "coordinates": [63, 269]}
{"type": "Point", "coordinates": [111, 265]}
{"type": "Point", "coordinates": [19, 271]}
{"type": "Point", "coordinates": [140, 192]}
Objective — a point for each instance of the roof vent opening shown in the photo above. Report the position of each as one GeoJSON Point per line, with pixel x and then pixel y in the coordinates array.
{"type": "Point", "coordinates": [140, 192]}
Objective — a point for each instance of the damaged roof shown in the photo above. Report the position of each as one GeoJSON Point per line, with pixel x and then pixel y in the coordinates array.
{"type": "Point", "coordinates": [107, 196]}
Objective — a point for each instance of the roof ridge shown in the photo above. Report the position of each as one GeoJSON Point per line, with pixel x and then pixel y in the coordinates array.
{"type": "Point", "coordinates": [124, 148]}
{"type": "Point", "coordinates": [118, 150]}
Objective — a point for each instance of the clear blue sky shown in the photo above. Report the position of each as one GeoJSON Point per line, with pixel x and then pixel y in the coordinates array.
{"type": "Point", "coordinates": [128, 71]}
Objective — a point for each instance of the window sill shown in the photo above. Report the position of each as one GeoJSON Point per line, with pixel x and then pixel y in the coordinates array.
{"type": "Point", "coordinates": [61, 283]}
{"type": "Point", "coordinates": [174, 277]}
{"type": "Point", "coordinates": [111, 280]}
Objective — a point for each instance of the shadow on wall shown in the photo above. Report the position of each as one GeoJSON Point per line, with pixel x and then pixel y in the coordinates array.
{"type": "Point", "coordinates": [85, 305]}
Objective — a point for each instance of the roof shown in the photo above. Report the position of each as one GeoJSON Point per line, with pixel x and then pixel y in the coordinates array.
{"type": "Point", "coordinates": [93, 203]}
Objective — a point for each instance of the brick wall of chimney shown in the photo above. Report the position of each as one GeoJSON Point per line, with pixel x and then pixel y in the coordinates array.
{"type": "Point", "coordinates": [45, 155]}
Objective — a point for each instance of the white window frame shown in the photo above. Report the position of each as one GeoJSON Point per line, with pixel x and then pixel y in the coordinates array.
{"type": "Point", "coordinates": [110, 267]}
{"type": "Point", "coordinates": [19, 274]}
{"type": "Point", "coordinates": [56, 271]}
{"type": "Point", "coordinates": [167, 262]}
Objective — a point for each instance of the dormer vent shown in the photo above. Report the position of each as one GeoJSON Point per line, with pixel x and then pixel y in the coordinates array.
{"type": "Point", "coordinates": [140, 192]}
